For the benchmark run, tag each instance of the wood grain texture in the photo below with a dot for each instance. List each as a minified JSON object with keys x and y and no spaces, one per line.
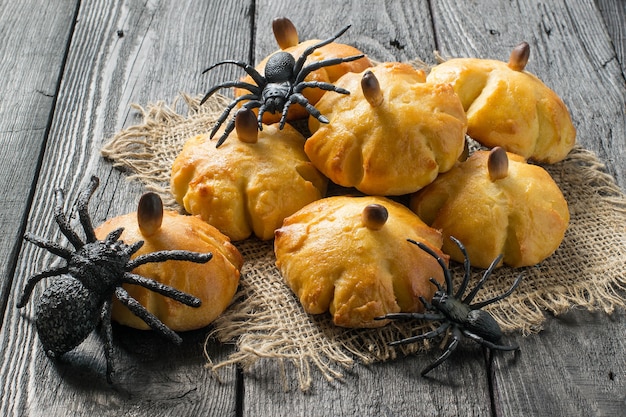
{"x":385,"y":389}
{"x":614,"y":15}
{"x":394,"y":32}
{"x":160,"y":52}
{"x":576,"y":367}
{"x":30,"y":69}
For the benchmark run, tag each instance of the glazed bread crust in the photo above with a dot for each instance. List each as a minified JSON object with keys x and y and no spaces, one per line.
{"x":334,"y":263}
{"x":508,"y":108}
{"x":214,"y":282}
{"x":245,"y":188}
{"x":523,"y":216}
{"x":395,"y":148}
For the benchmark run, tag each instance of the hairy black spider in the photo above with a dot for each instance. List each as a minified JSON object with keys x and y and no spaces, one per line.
{"x":281,"y":86}
{"x":464,"y":318}
{"x":73,"y":305}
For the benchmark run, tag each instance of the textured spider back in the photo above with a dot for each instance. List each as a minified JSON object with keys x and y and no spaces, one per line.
{"x":279,"y":67}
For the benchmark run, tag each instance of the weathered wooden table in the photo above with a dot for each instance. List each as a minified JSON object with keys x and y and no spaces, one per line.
{"x":69,"y":71}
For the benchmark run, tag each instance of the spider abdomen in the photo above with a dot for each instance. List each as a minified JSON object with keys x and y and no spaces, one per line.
{"x":279,"y":67}
{"x":65,"y":315}
{"x":484,"y":325}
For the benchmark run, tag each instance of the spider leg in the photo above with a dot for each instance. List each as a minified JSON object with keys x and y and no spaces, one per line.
{"x":239,"y":84}
{"x":127,"y":250}
{"x":446,"y":271}
{"x":321,"y":85}
{"x":162,"y":289}
{"x":219,"y":122}
{"x":324,"y":63}
{"x":227,"y":111}
{"x":52,"y":247}
{"x":427,"y":305}
{"x":301,"y":100}
{"x":499,"y":297}
{"x":435,"y":283}
{"x":428,"y":335}
{"x":83,"y":209}
{"x":308,"y":51}
{"x":107,"y":332}
{"x":169,"y":255}
{"x":293,"y":99}
{"x":34,"y":279}
{"x":113,"y":236}
{"x":456,"y":336}
{"x":487,"y":343}
{"x":252,"y":72}
{"x":466,"y":267}
{"x":259,"y":119}
{"x":480,"y":283}
{"x":151,"y":320}
{"x":64,"y":224}
{"x":231,"y":125}
{"x":131,"y":249}
{"x":411,"y":316}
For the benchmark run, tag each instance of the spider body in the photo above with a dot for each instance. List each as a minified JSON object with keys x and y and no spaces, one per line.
{"x":280,"y":86}
{"x":73,"y":305}
{"x":65,"y":301}
{"x":456,"y":313}
{"x":478,"y":322}
{"x":278,"y":69}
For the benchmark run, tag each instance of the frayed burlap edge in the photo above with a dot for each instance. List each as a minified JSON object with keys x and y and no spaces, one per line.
{"x":146,"y":151}
{"x":266,"y":321}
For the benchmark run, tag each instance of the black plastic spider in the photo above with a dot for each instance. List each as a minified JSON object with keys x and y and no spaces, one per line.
{"x":280,"y":87}
{"x":464,"y":318}
{"x":73,"y":305}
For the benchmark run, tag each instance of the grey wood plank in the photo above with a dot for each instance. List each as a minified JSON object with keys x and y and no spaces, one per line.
{"x":121,"y":53}
{"x":575,"y":367}
{"x":614,"y":14}
{"x":30,"y":69}
{"x":564,"y":370}
{"x":395,"y":32}
{"x":457,"y":388}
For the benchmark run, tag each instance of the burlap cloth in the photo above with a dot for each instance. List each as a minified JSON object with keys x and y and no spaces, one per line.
{"x":267,"y":321}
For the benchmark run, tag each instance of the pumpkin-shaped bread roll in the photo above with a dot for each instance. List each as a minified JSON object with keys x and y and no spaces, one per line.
{"x":350,"y":256}
{"x":496,"y":203}
{"x":288,"y":41}
{"x":509,"y":107}
{"x":392,"y":135}
{"x":250,"y":183}
{"x":214,"y":282}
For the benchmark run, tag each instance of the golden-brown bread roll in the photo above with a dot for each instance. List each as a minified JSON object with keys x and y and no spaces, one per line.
{"x":509,"y":107}
{"x":413,"y":131}
{"x":289,"y":42}
{"x":513,"y":208}
{"x":214,"y":282}
{"x":350,"y":257}
{"x":243,"y":188}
